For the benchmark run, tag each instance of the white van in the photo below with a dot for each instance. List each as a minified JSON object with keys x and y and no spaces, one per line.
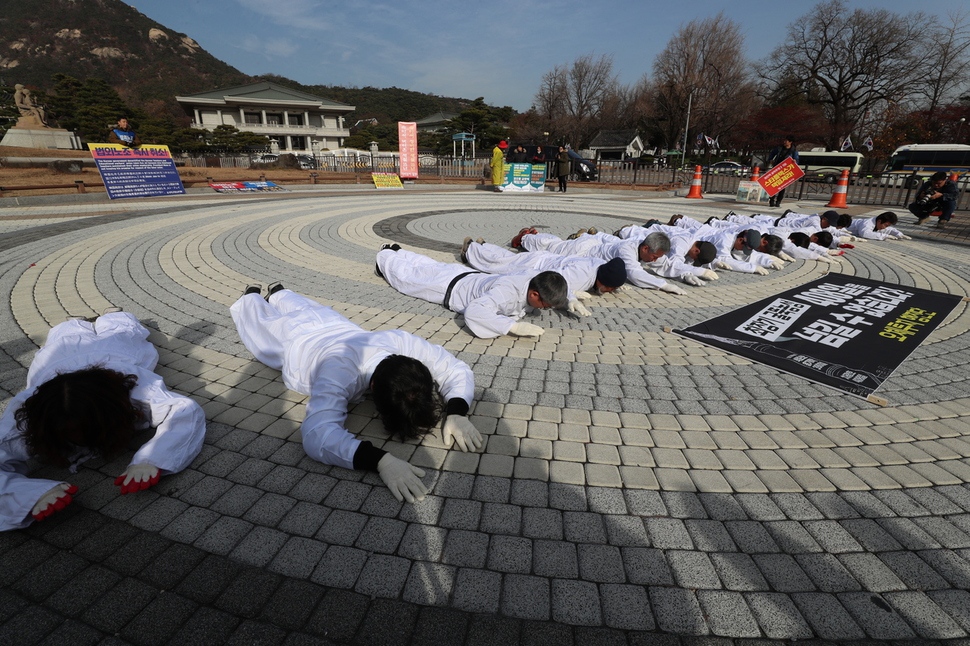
{"x":924,"y":160}
{"x":827,"y":167}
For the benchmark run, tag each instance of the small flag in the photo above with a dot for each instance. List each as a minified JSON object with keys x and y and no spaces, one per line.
{"x":717,"y":146}
{"x":868,"y":144}
{"x":700,"y":138}
{"x":847,"y":144}
{"x":710,"y":142}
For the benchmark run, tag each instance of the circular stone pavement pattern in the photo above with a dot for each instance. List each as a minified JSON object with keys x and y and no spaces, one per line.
{"x":631,"y":479}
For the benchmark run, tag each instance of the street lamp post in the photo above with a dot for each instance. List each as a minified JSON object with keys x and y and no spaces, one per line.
{"x":960,"y":128}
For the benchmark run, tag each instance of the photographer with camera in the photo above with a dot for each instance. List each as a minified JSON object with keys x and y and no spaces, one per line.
{"x":937,"y":193}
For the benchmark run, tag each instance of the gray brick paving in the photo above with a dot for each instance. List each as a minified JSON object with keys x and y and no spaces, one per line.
{"x":257,"y":543}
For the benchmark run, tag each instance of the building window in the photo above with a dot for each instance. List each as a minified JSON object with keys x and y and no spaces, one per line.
{"x":295,"y":119}
{"x":254,"y":118}
{"x":298,"y":143}
{"x":274,"y":119}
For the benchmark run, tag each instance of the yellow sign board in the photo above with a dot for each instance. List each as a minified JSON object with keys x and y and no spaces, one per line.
{"x":386,"y":180}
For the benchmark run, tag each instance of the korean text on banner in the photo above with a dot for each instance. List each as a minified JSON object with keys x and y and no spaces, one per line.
{"x":847,"y":332}
{"x":781,"y":176}
{"x":146,"y":171}
{"x":407,"y":136}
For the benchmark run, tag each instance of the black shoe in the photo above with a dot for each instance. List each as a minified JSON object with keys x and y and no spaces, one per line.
{"x":467,"y":242}
{"x":393,"y":246}
{"x":273,"y":288}
{"x":921,"y":220}
{"x":253,"y":289}
{"x":771,"y":203}
{"x":377,"y":270}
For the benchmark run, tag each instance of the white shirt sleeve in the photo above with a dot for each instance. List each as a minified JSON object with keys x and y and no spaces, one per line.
{"x":493,"y":313}
{"x":179,"y":425}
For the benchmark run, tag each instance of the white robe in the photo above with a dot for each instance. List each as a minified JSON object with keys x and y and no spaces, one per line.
{"x":117,"y":342}
{"x":325,"y":356}
{"x":723,"y":240}
{"x":579,"y":272}
{"x":489,"y":303}
{"x":675,"y":263}
{"x":866,"y":228}
{"x":598,"y":245}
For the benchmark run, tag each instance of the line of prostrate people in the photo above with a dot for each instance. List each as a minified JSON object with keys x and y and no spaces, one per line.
{"x":91,"y":389}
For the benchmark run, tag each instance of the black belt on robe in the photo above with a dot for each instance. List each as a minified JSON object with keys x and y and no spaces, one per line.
{"x":451,"y":286}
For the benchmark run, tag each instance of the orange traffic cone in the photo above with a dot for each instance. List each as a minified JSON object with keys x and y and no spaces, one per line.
{"x":954,"y":177}
{"x":695,"y":185}
{"x":755,"y":174}
{"x":838,"y":195}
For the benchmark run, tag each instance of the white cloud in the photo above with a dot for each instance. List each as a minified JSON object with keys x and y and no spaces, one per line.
{"x":309,"y":15}
{"x":268,"y":47}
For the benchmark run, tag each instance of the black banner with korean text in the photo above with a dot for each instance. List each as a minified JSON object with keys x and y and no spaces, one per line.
{"x":846,"y":332}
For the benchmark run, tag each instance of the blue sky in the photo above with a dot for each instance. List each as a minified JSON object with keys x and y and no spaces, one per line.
{"x":497,"y":49}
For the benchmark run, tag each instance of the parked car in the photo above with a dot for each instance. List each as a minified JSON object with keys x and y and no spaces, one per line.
{"x":307,"y":162}
{"x":729,"y":168}
{"x":266,"y":158}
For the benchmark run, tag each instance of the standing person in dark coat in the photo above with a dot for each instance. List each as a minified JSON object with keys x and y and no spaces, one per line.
{"x":778,"y":155}
{"x":563,"y":164}
{"x":124,"y":135}
{"x":519,"y":156}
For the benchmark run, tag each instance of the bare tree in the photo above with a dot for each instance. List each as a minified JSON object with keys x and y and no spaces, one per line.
{"x":855,"y":65}
{"x":575,"y":99}
{"x":946,"y":63}
{"x":703,"y":64}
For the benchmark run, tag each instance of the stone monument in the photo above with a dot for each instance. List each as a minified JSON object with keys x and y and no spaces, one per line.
{"x":32,"y":129}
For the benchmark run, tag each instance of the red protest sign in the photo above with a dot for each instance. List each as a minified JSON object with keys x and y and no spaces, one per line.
{"x":779,"y":177}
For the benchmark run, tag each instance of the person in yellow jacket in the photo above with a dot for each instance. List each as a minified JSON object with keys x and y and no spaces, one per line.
{"x":498,"y":164}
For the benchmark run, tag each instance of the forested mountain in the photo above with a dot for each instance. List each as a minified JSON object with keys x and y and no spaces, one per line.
{"x":149,"y":64}
{"x":384,"y":104}
{"x":144,"y":61}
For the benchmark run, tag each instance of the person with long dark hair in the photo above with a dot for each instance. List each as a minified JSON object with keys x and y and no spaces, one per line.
{"x":327,"y":357}
{"x":90,"y":389}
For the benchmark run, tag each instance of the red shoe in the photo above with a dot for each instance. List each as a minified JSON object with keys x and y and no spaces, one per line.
{"x":517,"y":240}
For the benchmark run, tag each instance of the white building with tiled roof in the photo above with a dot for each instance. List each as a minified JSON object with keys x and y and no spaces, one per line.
{"x":296,"y":121}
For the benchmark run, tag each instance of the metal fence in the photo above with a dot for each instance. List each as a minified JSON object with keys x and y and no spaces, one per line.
{"x":891,"y":190}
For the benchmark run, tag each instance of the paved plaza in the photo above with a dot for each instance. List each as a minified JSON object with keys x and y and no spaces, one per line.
{"x":635,"y":487}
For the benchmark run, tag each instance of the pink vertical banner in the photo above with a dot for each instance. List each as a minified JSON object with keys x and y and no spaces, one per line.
{"x":407,"y":146}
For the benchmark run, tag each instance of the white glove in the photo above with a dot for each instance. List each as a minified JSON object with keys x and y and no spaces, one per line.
{"x":784,"y":256}
{"x":709,"y":274}
{"x":761,"y":271}
{"x":56,"y":499}
{"x":625,"y":287}
{"x":402,"y":478}
{"x":525,"y":329}
{"x":576,"y":307}
{"x":691,"y":279}
{"x":852,"y":238}
{"x":777,"y":263}
{"x":826,"y":259}
{"x":903,"y":236}
{"x":835,"y":252}
{"x":720,"y":264}
{"x":670,"y":288}
{"x":137,"y":477}
{"x":460,"y":430}
{"x":583,"y":296}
